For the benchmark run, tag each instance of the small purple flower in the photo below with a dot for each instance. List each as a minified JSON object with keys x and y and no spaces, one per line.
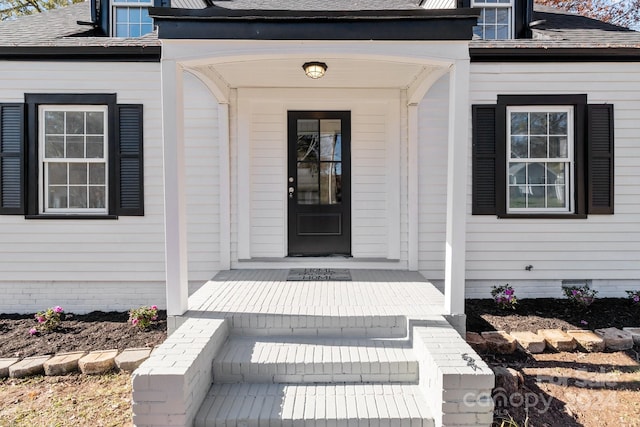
{"x":154,"y":318}
{"x":58,"y":309}
{"x":134,"y":322}
{"x":154,"y":307}
{"x":636,"y":298}
{"x":33,"y":331}
{"x":40,"y":319}
{"x":584,"y":322}
{"x":574,"y":292}
{"x":508,"y":292}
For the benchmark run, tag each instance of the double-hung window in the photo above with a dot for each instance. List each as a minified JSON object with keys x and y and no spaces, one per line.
{"x":131,"y":18}
{"x":496,"y":19}
{"x":71,"y":156}
{"x":74,"y":164}
{"x":540,"y":159}
{"x":542,"y":156}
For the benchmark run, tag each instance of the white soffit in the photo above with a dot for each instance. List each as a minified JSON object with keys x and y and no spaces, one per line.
{"x":341,"y":73}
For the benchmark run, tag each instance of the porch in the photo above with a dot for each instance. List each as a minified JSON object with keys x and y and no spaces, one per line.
{"x":311,"y":347}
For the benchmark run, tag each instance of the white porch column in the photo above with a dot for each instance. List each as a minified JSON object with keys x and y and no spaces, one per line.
{"x":413,"y":180}
{"x":457,"y":173}
{"x":175,"y":206}
{"x":225,"y":186}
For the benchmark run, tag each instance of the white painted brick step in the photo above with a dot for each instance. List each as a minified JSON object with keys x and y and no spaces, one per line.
{"x":352,"y":323}
{"x":235,"y":405}
{"x":315,"y":360}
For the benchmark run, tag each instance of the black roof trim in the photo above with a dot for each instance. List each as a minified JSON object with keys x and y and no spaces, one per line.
{"x":216,"y":12}
{"x":220,"y":23}
{"x":82,"y":53}
{"x":551,"y":54}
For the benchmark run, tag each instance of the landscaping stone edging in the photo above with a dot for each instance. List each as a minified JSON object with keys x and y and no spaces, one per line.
{"x":555,"y":340}
{"x":88,"y":363}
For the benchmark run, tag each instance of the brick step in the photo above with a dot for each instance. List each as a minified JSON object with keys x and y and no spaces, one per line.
{"x":315,"y":360}
{"x":232,"y":405}
{"x":259,"y":324}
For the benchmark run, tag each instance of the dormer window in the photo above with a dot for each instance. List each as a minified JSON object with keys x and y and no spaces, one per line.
{"x":496,"y":19}
{"x":131,"y":18}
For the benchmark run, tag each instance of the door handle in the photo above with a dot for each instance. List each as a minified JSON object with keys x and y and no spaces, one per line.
{"x":291,"y":191}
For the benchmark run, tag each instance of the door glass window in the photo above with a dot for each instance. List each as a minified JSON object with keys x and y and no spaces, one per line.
{"x":319,"y":165}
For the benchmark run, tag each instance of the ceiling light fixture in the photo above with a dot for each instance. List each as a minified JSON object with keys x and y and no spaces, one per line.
{"x":314,"y":69}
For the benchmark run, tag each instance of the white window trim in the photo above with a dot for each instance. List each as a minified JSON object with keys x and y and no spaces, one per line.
{"x":486,"y":5}
{"x":116,"y":4}
{"x":570,"y":159}
{"x":42,"y":189}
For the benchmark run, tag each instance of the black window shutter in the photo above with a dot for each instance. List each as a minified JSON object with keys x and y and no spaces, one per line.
{"x":484,"y":160}
{"x":129,"y":161}
{"x":600,"y":170}
{"x":11,"y":159}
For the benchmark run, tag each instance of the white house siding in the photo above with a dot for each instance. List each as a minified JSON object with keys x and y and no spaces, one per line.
{"x":203,"y":196}
{"x":262,"y":123}
{"x":601,"y":248}
{"x":87,"y":264}
{"x":433,"y":122}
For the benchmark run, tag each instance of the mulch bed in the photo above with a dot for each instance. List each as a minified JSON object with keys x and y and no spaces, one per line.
{"x":94,"y":331}
{"x":545,"y":313}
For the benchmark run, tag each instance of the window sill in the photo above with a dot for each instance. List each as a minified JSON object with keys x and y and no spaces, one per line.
{"x":543,"y":216}
{"x":70,"y":216}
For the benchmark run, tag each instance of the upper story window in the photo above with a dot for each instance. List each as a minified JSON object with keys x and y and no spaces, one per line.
{"x":131,"y":18}
{"x":496,"y":19}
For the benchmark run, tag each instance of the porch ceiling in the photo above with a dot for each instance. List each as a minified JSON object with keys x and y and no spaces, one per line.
{"x":341,"y":73}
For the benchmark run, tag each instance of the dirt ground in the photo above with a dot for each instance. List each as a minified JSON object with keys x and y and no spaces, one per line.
{"x":571,"y":388}
{"x":93,"y":331}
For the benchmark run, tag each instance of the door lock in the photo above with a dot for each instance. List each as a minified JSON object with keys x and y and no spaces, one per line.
{"x":291,"y":191}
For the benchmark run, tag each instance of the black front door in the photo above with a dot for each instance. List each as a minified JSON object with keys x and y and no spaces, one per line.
{"x":319,"y":184}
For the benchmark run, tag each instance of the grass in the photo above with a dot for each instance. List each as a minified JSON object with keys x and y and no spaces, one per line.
{"x":72,"y":400}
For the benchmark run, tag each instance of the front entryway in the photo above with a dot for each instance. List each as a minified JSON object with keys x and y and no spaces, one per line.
{"x":319,"y":183}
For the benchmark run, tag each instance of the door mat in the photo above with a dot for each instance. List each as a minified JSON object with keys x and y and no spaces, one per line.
{"x":319,"y":274}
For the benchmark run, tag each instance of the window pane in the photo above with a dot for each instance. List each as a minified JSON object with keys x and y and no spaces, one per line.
{"x":330,"y":183}
{"x":330,"y":131}
{"x":96,"y":197}
{"x":502,"y":32}
{"x":538,"y":123}
{"x":489,"y":15}
{"x":502,"y":16}
{"x":558,"y":124}
{"x":54,"y":122}
{"x":75,"y":147}
{"x":536,"y":196}
{"x":134,"y":15}
{"x":75,"y":122}
{"x":517,"y":197}
{"x":519,"y":147}
{"x":122,"y":14}
{"x":558,"y":146}
{"x":538,"y":147}
{"x":134,"y":30}
{"x":95,"y":147}
{"x":536,"y":173}
{"x":77,"y":197}
{"x":308,"y":134}
{"x":77,"y":173}
{"x":95,"y":122}
{"x":556,"y":196}
{"x":308,"y":184}
{"x":519,"y":123}
{"x":556,"y":173}
{"x":54,"y":147}
{"x":97,"y":173}
{"x":518,"y":173}
{"x":57,"y":197}
{"x":122,"y":30}
{"x":57,"y":173}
